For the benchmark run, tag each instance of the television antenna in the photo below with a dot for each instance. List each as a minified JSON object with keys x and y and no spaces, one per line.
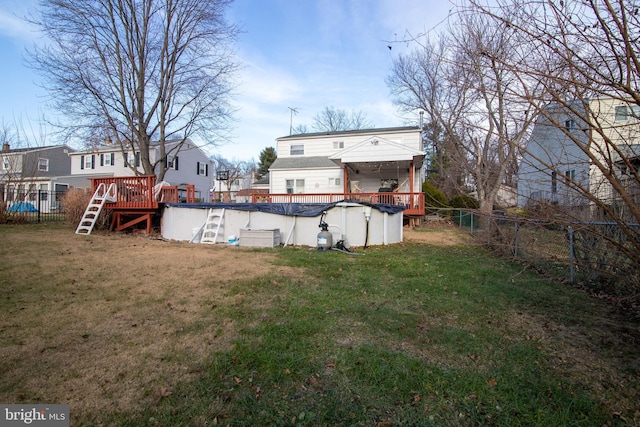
{"x":293,"y":111}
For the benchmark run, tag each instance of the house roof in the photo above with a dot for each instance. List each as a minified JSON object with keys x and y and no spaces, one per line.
{"x":262,"y":181}
{"x":114,"y":146}
{"x":352,"y":132}
{"x":28,"y":149}
{"x":302,"y":163}
{"x":376,"y":149}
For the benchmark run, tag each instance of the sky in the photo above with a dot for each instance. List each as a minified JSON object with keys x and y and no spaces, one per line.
{"x":303,"y":55}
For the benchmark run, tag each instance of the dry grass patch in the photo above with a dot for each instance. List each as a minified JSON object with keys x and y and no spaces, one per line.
{"x":438,"y":236}
{"x":107,"y":322}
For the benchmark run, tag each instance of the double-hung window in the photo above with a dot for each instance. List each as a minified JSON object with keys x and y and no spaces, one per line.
{"x":295,"y":186}
{"x":296,"y":150}
{"x":202,"y":169}
{"x":43,"y":164}
{"x":624,"y":112}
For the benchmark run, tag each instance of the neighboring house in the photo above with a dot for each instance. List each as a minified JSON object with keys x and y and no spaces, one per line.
{"x":226,"y":188}
{"x":554,"y":159}
{"x":35,"y":175}
{"x":258,"y":190}
{"x":377,"y":165}
{"x":188,"y":166}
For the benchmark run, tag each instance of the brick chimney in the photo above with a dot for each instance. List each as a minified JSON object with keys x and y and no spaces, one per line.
{"x":5,"y":146}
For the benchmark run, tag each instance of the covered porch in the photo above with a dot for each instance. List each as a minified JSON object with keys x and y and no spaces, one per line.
{"x":376,"y":170}
{"x":379,"y":170}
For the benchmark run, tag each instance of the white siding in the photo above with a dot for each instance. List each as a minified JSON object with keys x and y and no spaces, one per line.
{"x":315,"y":180}
{"x":323,"y":145}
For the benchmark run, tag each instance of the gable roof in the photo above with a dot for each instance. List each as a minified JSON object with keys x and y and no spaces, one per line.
{"x":375,"y":149}
{"x":33,"y":149}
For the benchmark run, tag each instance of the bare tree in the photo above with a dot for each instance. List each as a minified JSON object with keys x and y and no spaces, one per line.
{"x":138,"y":71}
{"x":470,"y":100}
{"x":332,"y":119}
{"x":235,"y":171}
{"x":19,"y":168}
{"x":587,"y":50}
{"x":418,"y":83}
{"x":586,"y":54}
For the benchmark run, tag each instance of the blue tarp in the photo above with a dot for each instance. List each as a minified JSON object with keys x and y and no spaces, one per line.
{"x":22,"y":207}
{"x":290,"y":209}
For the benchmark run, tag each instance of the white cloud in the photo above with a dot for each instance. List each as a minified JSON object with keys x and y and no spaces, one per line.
{"x":12,"y":23}
{"x":268,"y":86}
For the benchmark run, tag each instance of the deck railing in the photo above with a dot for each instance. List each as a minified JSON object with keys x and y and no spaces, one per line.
{"x":140,"y":192}
{"x":414,"y":202}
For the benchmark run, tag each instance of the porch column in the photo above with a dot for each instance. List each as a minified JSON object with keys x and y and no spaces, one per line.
{"x":345,"y":180}
{"x":411,"y":177}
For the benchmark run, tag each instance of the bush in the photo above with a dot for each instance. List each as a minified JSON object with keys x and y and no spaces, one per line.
{"x":74,"y":203}
{"x":464,"y":201}
{"x":7,"y":217}
{"x":433,"y":198}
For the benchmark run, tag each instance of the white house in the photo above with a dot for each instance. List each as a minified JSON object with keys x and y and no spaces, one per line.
{"x":36,"y":175}
{"x":375,"y":165}
{"x":563,"y":149}
{"x":190,"y":165}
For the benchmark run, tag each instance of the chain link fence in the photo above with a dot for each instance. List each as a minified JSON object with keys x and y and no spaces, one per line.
{"x":35,"y":206}
{"x":599,"y":255}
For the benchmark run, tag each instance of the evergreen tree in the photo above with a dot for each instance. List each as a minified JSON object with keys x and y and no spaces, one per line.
{"x":267,"y":157}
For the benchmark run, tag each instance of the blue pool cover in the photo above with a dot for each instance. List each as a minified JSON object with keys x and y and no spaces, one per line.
{"x":290,"y":209}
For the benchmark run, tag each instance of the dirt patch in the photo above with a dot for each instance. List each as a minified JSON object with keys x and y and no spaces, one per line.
{"x":106,"y":322}
{"x":437,"y":236}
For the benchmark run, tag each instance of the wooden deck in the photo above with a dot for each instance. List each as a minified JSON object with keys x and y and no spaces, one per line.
{"x":414,"y":202}
{"x":138,"y":199}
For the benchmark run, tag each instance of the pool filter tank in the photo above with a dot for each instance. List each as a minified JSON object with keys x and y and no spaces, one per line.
{"x":325,"y":240}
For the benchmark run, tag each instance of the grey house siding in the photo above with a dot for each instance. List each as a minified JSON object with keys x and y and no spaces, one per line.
{"x":59,"y":162}
{"x":551,"y":148}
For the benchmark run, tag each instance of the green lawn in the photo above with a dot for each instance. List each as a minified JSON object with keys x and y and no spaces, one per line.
{"x":404,"y":335}
{"x":408,"y":335}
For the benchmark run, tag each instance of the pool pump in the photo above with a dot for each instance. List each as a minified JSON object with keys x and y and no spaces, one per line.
{"x":325,"y":240}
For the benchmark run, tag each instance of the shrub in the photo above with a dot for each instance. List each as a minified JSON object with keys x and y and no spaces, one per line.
{"x":74,"y":203}
{"x":7,"y":217}
{"x":433,"y":197}
{"x":464,"y":201}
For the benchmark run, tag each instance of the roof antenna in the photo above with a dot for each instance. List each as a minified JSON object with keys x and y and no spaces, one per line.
{"x":293,"y":110}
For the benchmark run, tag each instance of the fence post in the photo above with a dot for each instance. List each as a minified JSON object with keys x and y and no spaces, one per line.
{"x":515,"y":239}
{"x":39,"y":205}
{"x":489,"y":218}
{"x":571,"y":272}
{"x":471,"y":228}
